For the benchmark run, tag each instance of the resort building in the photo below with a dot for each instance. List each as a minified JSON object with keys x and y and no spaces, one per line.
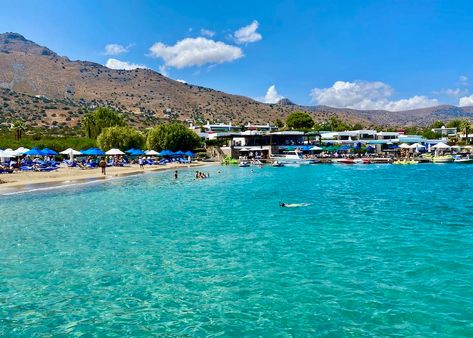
{"x":445,"y":132}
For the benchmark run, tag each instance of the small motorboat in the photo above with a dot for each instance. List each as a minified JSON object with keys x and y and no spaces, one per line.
{"x":462,"y":159}
{"x":244,"y":164}
{"x":442,"y":159}
{"x":362,"y":161}
{"x":277,"y":164}
{"x":346,"y":161}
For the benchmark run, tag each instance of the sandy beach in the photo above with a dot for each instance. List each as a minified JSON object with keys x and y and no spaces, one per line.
{"x":31,"y":179}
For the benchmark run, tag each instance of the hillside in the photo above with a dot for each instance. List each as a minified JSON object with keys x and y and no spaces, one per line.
{"x":145,"y":95}
{"x":46,"y":89}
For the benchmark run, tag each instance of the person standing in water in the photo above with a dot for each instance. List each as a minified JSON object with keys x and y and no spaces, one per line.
{"x":175,"y":175}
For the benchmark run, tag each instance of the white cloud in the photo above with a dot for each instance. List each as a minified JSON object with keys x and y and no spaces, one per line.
{"x":463,"y":80}
{"x":466,"y":101}
{"x":207,"y":32}
{"x":456,"y":92}
{"x":115,"y":49}
{"x":117,"y":64}
{"x":181,"y":81}
{"x":195,"y":52}
{"x":248,"y":33}
{"x":368,"y":96}
{"x":272,"y":95}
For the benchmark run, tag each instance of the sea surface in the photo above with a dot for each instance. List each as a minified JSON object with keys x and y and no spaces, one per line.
{"x":382,"y":250}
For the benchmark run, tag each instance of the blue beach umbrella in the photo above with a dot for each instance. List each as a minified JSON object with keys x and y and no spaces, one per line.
{"x":189,"y":153}
{"x":129,"y":151}
{"x":179,"y":153}
{"x":34,"y":152}
{"x":345,"y":147}
{"x":93,"y":152}
{"x":47,"y":151}
{"x":166,"y":153}
{"x":136,"y":152}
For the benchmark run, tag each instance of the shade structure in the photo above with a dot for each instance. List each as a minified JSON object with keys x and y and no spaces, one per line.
{"x":136,"y":152}
{"x":7,"y":153}
{"x":441,"y":145}
{"x":21,"y":150}
{"x":179,"y":153}
{"x":417,"y":146}
{"x":34,"y":152}
{"x":70,"y":151}
{"x":404,"y":146}
{"x":345,"y":147}
{"x":130,"y":150}
{"x":315,"y":148}
{"x":114,"y":151}
{"x":190,"y":153}
{"x":93,"y":152}
{"x":151,"y":152}
{"x":47,"y":151}
{"x":166,"y":153}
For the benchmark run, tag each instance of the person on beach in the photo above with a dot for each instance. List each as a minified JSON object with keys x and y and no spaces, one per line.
{"x":141,"y":162}
{"x":103,"y":165}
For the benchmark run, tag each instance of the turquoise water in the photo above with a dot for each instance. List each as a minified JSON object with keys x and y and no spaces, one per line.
{"x":382,"y":250}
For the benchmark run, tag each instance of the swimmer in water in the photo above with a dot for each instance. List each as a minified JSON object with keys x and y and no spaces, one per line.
{"x":293,"y":205}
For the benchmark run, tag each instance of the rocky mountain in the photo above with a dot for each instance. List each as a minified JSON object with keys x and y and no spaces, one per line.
{"x":143,"y":94}
{"x":46,"y":89}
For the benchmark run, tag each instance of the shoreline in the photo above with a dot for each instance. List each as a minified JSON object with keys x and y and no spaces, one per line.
{"x":63,"y":177}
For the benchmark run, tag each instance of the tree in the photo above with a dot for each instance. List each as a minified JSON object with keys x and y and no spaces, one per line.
{"x":173,"y":137}
{"x":437,"y":124}
{"x":279,"y":123}
{"x":299,"y":120}
{"x":100,"y":118}
{"x":18,"y":127}
{"x":460,"y":124}
{"x":88,"y":123}
{"x":121,"y":138}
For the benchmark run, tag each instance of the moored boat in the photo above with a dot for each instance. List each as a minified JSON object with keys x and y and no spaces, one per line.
{"x":442,"y":159}
{"x":462,"y":159}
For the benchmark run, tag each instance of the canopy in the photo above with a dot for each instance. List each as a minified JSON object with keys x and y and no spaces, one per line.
{"x":416,"y":146}
{"x":404,"y":146}
{"x":93,"y":152}
{"x":47,"y":151}
{"x":114,"y":151}
{"x":7,"y":153}
{"x":136,"y":152}
{"x":167,"y":153}
{"x":21,"y":150}
{"x":190,"y":153}
{"x":151,"y":152}
{"x":34,"y":152}
{"x":130,"y":150}
{"x":345,"y":147}
{"x":316,"y":148}
{"x":70,"y":151}
{"x":441,"y":145}
{"x":179,"y":152}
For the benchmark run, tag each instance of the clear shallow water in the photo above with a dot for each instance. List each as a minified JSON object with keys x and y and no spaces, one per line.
{"x":383,"y":250}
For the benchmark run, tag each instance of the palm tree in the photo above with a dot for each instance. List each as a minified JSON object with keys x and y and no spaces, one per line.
{"x":88,"y":123}
{"x":18,"y":127}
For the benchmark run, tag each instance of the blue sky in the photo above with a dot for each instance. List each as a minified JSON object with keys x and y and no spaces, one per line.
{"x":362,"y":54}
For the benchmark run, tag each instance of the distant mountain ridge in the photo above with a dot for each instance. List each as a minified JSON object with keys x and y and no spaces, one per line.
{"x":38,"y":85}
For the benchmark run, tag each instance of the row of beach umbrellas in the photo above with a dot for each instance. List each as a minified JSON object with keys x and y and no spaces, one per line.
{"x":10,"y":153}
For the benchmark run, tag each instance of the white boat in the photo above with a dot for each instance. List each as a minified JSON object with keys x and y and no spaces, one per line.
{"x":294,"y":157}
{"x":442,"y":159}
{"x":277,"y":164}
{"x":244,"y":164}
{"x":461,"y":159}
